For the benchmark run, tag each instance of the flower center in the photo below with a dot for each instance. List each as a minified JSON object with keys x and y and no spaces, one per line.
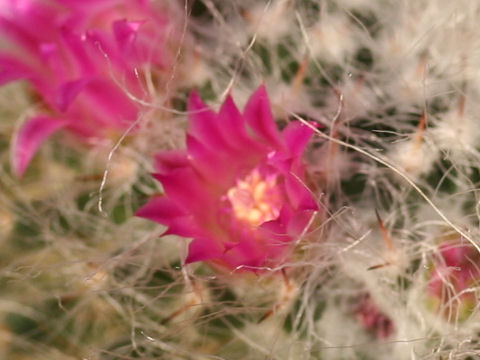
{"x":255,"y":199}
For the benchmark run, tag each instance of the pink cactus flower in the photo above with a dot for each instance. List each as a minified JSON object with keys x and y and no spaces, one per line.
{"x":455,"y":272}
{"x":372,"y":319}
{"x":82,"y":58}
{"x":239,"y":187}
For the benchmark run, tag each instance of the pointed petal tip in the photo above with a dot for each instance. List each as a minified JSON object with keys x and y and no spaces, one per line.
{"x":262,"y":88}
{"x":259,"y":116}
{"x":229,"y":107}
{"x":159,"y":209}
{"x":202,"y":249}
{"x":296,"y":136}
{"x":195,"y":102}
{"x":29,"y":139}
{"x":68,"y":91}
{"x":229,"y":101}
{"x":261,"y":94}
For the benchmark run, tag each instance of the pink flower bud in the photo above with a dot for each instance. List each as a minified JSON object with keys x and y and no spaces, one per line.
{"x":453,"y":278}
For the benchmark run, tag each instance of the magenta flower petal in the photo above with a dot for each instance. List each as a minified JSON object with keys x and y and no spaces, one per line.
{"x":373,"y":319}
{"x":7,"y":76}
{"x":299,"y":195}
{"x":289,"y":224}
{"x":16,"y":33}
{"x":232,"y":125}
{"x":453,"y":272}
{"x":82,"y":58}
{"x":456,"y":254}
{"x":186,"y":189}
{"x":126,"y":32}
{"x":114,"y":110}
{"x":93,"y":4}
{"x":274,"y":228}
{"x":204,"y":124}
{"x":69,"y":91}
{"x":214,"y":165}
{"x":75,"y":46}
{"x":259,"y":116}
{"x":169,"y":160}
{"x":247,"y":255}
{"x":161,"y":210}
{"x":183,"y":226}
{"x":299,"y":222}
{"x":244,"y":196}
{"x":202,"y":249}
{"x":31,"y":135}
{"x":297,"y":136}
{"x":11,"y":70}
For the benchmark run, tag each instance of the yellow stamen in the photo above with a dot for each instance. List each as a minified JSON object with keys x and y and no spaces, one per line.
{"x":255,"y":199}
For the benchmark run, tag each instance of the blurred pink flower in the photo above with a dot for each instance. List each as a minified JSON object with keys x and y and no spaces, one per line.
{"x":372,"y":319}
{"x":81,"y":58}
{"x":238,"y":189}
{"x":455,"y":272}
